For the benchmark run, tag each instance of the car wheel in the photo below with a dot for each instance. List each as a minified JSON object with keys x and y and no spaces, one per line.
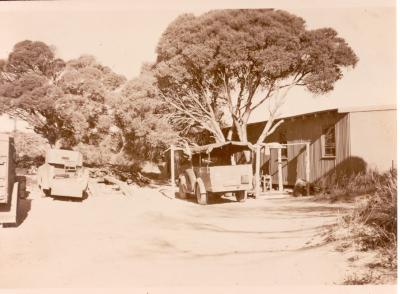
{"x":241,"y":196}
{"x":201,"y":197}
{"x":47,"y":192}
{"x":182,"y":188}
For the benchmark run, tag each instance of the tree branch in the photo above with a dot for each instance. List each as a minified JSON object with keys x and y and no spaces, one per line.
{"x":274,"y":127}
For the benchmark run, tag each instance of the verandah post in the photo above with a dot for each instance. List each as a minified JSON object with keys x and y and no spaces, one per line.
{"x":308,"y":168}
{"x":257,"y":173}
{"x":280,"y":178}
{"x":172,"y":165}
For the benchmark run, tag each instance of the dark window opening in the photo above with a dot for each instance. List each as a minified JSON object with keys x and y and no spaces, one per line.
{"x":329,"y":142}
{"x":283,"y":140}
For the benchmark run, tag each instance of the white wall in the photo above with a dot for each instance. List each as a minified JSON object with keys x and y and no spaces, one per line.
{"x":373,"y":137}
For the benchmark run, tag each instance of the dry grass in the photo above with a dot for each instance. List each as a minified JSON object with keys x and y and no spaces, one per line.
{"x":347,"y":187}
{"x":372,"y":226}
{"x":362,"y":279}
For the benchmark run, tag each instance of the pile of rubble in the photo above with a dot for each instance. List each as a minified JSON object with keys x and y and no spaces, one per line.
{"x":126,"y":174}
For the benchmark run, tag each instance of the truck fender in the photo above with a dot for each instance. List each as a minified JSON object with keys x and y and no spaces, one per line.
{"x":43,"y":177}
{"x":191,"y":179}
{"x":182,"y":187}
{"x":182,"y":180}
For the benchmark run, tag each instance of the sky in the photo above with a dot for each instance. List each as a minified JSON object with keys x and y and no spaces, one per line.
{"x":124,"y":34}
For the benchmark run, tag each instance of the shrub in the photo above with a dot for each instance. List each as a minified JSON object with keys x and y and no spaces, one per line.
{"x":30,"y":148}
{"x":380,"y":209}
{"x":346,"y":187}
{"x":372,"y":225}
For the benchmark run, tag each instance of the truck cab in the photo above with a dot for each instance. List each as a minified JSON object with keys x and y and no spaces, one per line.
{"x":63,"y":174}
{"x":217,"y":169}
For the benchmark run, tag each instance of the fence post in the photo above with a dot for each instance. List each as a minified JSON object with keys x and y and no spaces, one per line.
{"x":172,"y":165}
{"x":257,"y":173}
{"x":280,"y":177}
{"x":308,"y":168}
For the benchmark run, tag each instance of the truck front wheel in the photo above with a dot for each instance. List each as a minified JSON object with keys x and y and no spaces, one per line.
{"x":202,"y":198}
{"x":182,"y":187}
{"x":47,"y":192}
{"x":241,"y":196}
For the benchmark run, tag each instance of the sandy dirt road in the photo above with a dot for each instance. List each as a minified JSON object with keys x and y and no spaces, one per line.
{"x":152,"y":241}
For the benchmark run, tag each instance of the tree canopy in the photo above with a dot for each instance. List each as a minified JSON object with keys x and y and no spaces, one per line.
{"x":84,"y":105}
{"x":143,"y":118}
{"x":217,"y":68}
{"x":63,"y":101}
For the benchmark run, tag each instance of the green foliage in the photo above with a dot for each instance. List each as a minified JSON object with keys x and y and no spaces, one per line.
{"x":28,"y":56}
{"x":85,"y":105}
{"x":30,"y":149}
{"x":215,"y":69}
{"x":143,"y":119}
{"x":372,"y":225}
{"x":380,"y":210}
{"x":62,"y":101}
{"x":344,"y":186}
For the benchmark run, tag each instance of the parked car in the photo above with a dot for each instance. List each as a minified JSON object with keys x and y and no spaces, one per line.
{"x":63,"y":174}
{"x":217,"y":169}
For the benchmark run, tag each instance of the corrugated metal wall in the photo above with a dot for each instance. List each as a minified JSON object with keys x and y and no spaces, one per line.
{"x":302,"y":129}
{"x":373,"y":139}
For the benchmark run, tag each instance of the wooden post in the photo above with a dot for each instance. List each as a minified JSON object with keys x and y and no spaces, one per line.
{"x":257,"y":173}
{"x":280,"y":178}
{"x":15,"y":126}
{"x":172,"y":165}
{"x":308,"y":178}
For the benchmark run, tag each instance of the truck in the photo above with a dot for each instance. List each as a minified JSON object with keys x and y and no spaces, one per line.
{"x":63,"y":174}
{"x":217,"y":169}
{"x":9,"y":199}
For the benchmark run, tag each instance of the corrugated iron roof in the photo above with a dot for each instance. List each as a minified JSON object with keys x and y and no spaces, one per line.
{"x":366,"y":108}
{"x":336,"y":109}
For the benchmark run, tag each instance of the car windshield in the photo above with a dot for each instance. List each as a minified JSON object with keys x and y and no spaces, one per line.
{"x":223,"y":156}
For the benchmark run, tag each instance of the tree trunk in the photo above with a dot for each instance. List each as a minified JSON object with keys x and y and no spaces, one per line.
{"x":219,"y":135}
{"x":230,"y":134}
{"x":242,"y":134}
{"x":58,"y":144}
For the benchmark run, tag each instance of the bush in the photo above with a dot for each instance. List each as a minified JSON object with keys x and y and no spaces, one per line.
{"x":372,"y":225}
{"x":380,"y":209}
{"x":347,"y":187}
{"x":27,"y":162}
{"x":30,"y":148}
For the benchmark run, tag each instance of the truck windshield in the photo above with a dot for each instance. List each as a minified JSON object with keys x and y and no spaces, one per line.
{"x":225,"y":158}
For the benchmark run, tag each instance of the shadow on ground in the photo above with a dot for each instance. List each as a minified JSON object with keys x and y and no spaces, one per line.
{"x":211,"y":200}
{"x":70,"y":199}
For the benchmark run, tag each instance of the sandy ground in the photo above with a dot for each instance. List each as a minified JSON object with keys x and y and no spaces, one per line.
{"x":149,"y":240}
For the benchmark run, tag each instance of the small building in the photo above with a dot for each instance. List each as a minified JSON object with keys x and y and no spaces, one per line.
{"x":342,"y":141}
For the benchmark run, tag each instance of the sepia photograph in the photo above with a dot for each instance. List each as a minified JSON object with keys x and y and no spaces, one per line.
{"x":198,"y":146}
